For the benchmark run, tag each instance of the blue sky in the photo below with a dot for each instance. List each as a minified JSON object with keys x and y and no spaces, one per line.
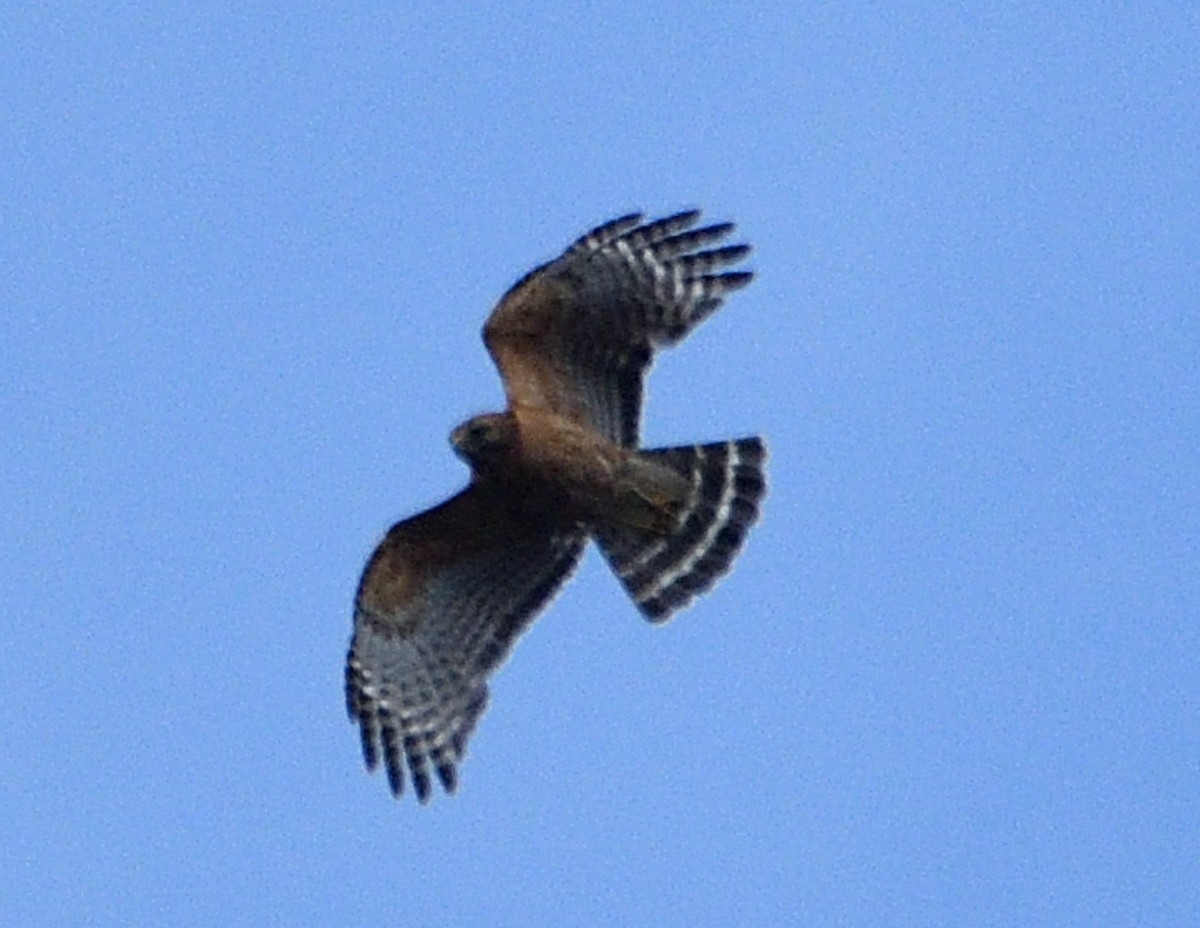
{"x":953,"y":680}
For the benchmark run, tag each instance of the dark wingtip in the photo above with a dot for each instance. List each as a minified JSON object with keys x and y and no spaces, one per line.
{"x":370,"y":754}
{"x":716,"y":231}
{"x":395,"y":779}
{"x":684,"y":217}
{"x":449,"y":777}
{"x":734,"y":280}
{"x":625,"y":219}
{"x":421,"y":786}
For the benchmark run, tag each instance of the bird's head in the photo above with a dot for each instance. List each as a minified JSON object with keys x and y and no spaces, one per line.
{"x":484,"y":440}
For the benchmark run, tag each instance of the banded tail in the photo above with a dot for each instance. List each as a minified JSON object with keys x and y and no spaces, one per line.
{"x":665,"y":572}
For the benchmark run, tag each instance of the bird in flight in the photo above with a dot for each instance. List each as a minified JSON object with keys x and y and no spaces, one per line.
{"x":447,"y":592}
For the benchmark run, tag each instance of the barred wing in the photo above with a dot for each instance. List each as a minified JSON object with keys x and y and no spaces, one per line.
{"x":439,"y":606}
{"x":576,"y":335}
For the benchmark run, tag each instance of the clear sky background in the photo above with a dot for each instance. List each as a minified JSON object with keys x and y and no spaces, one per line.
{"x":245,"y":253}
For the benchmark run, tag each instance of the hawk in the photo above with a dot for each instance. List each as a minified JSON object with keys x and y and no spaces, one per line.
{"x":447,"y":592}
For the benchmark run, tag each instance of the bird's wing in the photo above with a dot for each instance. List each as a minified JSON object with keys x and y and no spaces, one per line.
{"x":576,"y":335}
{"x":440,"y":604}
